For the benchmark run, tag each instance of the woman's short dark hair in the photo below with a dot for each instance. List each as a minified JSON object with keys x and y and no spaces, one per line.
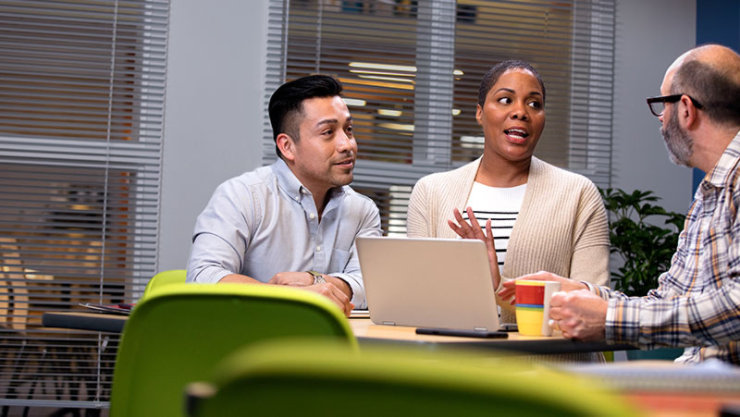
{"x":715,"y":91}
{"x":493,"y":74}
{"x":286,"y":102}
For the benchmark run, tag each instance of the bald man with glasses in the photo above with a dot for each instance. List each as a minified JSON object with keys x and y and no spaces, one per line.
{"x":697,"y":303}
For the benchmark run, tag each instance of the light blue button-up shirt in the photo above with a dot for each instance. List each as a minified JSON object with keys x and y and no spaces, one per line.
{"x":264,"y":222}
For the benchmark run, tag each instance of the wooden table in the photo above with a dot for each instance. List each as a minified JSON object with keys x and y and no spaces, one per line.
{"x":369,"y":333}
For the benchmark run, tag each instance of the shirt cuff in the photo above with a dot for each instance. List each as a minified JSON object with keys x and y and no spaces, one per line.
{"x":596,"y":289}
{"x":622,"y":321}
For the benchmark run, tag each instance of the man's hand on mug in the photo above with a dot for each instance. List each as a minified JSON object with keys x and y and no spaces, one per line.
{"x":578,"y":315}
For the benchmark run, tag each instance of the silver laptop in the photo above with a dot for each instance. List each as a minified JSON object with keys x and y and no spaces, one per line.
{"x":439,"y":283}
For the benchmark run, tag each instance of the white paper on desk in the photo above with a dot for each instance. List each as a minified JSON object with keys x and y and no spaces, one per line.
{"x":107,"y":308}
{"x":359,"y":314}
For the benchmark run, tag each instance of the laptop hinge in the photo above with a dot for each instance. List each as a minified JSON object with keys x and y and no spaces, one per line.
{"x":480,"y":329}
{"x":389,"y":323}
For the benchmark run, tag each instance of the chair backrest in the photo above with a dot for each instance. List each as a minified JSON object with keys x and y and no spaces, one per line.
{"x":175,"y":276}
{"x":177,"y":334}
{"x":277,"y":380}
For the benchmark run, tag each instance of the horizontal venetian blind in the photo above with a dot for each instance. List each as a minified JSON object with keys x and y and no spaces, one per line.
{"x":81,"y":118}
{"x":411,"y":72}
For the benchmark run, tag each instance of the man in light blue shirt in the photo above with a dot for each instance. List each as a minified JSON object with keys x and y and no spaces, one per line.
{"x":293,"y":222}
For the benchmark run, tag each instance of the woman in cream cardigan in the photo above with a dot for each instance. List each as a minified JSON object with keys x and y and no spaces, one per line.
{"x":543,"y":217}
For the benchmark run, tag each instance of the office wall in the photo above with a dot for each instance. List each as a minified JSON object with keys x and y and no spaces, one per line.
{"x":717,"y":21}
{"x":214,"y":104}
{"x":650,"y":36}
{"x":213,"y":119}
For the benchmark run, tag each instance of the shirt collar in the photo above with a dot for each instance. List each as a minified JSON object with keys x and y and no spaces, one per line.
{"x":719,"y":176}
{"x":293,"y":187}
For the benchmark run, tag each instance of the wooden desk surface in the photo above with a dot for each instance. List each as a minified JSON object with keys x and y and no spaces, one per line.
{"x":367,"y":332}
{"x":365,"y":328}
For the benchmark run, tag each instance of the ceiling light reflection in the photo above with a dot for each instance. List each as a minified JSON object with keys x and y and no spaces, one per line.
{"x":386,"y":67}
{"x":354,"y":102}
{"x":389,"y":112}
{"x":397,"y":126}
{"x":388,"y":73}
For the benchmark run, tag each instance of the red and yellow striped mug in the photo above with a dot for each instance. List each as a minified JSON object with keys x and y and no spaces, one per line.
{"x":533,"y":306}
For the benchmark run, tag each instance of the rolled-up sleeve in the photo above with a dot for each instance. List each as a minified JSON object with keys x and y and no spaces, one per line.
{"x":221,"y":235}
{"x":352,"y":275}
{"x":211,"y":259}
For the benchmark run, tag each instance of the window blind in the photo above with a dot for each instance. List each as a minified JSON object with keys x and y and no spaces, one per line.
{"x":81,"y":117}
{"x":411,"y":71}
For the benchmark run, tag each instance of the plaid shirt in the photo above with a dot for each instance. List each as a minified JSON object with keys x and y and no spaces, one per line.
{"x":697,"y":303}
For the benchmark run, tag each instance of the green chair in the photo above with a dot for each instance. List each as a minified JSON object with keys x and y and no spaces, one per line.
{"x":278,"y":379}
{"x":178,"y":333}
{"x":163,"y":278}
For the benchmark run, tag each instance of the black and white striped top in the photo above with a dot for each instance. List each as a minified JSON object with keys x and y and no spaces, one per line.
{"x":502,"y":206}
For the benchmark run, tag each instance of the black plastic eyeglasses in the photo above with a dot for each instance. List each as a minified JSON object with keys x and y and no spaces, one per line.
{"x":657,"y":104}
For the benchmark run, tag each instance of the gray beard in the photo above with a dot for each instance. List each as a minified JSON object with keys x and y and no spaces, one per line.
{"x":678,"y":143}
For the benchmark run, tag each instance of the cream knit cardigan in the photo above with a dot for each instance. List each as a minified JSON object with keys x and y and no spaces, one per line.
{"x":561,"y":227}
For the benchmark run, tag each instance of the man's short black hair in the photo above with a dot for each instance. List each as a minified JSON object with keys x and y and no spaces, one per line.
{"x":493,"y":74}
{"x":286,"y":102}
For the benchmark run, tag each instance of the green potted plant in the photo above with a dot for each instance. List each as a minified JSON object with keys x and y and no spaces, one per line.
{"x":638,"y":238}
{"x":644,"y":236}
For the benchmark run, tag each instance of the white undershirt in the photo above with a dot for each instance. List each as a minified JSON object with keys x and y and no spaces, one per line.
{"x":502,"y":206}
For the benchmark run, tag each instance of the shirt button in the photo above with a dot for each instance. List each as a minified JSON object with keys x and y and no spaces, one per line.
{"x":318,"y":248}
{"x":312,"y":216}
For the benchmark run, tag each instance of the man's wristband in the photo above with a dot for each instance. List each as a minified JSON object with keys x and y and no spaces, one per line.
{"x":318,"y":277}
